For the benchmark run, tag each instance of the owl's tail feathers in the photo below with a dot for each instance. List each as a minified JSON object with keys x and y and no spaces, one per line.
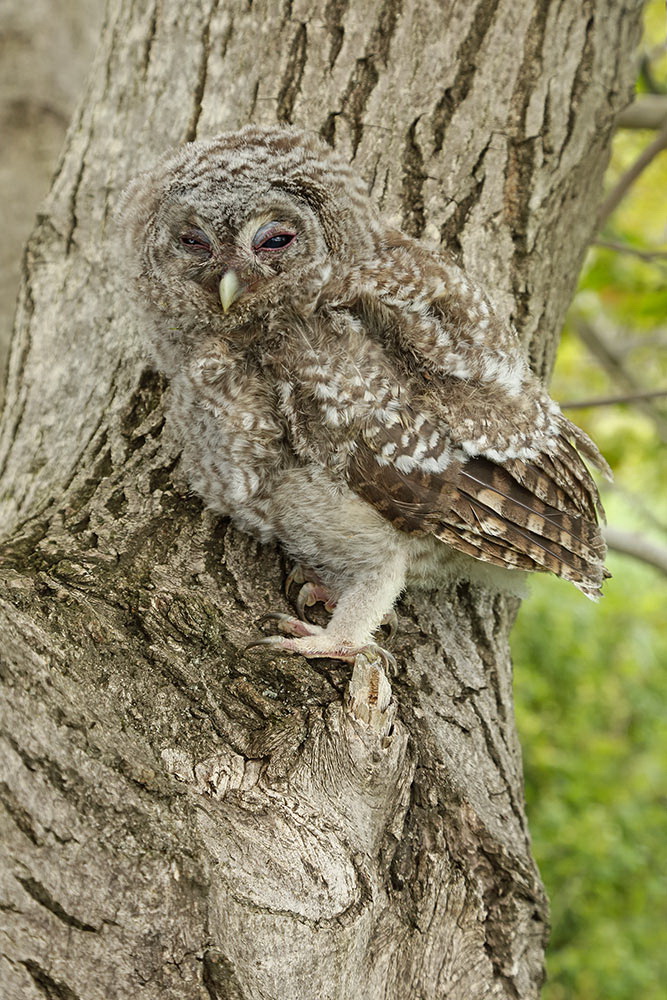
{"x":530,"y":525}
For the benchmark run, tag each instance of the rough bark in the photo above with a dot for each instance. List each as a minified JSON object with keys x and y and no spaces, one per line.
{"x":183,"y":819}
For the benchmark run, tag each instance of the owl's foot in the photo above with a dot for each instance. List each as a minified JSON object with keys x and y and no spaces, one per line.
{"x":288,"y":625}
{"x":319,"y":645}
{"x":311,"y":594}
{"x":312,"y":590}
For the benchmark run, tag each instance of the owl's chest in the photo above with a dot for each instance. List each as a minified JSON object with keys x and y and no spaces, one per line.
{"x":226,"y":419}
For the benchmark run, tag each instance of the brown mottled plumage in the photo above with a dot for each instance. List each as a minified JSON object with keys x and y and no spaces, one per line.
{"x":339,"y":386}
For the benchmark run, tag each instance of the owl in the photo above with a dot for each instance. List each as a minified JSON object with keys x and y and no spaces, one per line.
{"x":339,"y":386}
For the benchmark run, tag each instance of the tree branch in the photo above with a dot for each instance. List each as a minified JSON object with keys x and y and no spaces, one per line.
{"x":648,"y":255}
{"x":634,"y":397}
{"x":638,"y":503}
{"x":610,"y":360}
{"x":631,"y":543}
{"x":646,"y":111}
{"x":618,"y":193}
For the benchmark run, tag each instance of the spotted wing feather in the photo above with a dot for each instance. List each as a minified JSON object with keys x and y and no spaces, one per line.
{"x":518,"y":493}
{"x":479,"y":508}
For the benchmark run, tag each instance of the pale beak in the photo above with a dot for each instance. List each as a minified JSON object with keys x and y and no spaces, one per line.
{"x":230,"y":289}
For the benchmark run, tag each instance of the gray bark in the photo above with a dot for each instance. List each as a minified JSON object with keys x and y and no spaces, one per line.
{"x":184,"y":819}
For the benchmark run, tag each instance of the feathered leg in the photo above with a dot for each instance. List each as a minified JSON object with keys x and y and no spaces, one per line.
{"x":360,"y":610}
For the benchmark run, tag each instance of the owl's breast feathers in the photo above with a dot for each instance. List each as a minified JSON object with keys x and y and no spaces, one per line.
{"x":428,"y":405}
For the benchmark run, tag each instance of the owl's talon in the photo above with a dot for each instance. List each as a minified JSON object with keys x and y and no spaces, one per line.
{"x":271,"y":616}
{"x":374,"y":652}
{"x":311,"y":594}
{"x":311,"y":590}
{"x":300,"y":574}
{"x":270,"y":640}
{"x":317,"y":645}
{"x":390,"y":621}
{"x":287,"y":624}
{"x":297,"y":574}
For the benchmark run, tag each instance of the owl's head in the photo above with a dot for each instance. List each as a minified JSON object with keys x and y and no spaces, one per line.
{"x":231,"y":225}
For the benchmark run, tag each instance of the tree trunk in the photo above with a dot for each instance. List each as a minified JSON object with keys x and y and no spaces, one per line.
{"x":185,"y":819}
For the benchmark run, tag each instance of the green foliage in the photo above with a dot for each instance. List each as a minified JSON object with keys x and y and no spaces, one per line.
{"x":591,"y":689}
{"x":591,"y":680}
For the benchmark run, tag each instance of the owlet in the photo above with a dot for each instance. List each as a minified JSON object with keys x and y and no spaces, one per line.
{"x":339,"y":386}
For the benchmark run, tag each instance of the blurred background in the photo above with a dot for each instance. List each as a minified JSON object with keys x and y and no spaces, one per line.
{"x":590,"y":680}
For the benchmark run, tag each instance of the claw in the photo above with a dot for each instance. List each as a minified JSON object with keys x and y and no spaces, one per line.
{"x":310,"y":594}
{"x":311,"y":590}
{"x":318,"y":645}
{"x":374,"y":652}
{"x":297,"y":574}
{"x":288,"y":625}
{"x":301,"y":574}
{"x":390,"y":620}
{"x":271,"y":616}
{"x":271,"y":640}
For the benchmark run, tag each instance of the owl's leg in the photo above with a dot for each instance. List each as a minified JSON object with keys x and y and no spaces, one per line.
{"x":361,"y":561}
{"x":312,"y":591}
{"x":361,"y":607}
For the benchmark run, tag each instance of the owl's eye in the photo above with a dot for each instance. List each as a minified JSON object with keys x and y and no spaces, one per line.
{"x":270,"y":238}
{"x":196,"y":242}
{"x":277,"y":242}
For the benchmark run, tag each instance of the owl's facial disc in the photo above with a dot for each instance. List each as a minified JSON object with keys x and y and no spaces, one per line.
{"x":230,"y":260}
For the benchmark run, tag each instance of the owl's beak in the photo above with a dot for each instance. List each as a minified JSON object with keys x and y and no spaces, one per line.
{"x":230,"y":289}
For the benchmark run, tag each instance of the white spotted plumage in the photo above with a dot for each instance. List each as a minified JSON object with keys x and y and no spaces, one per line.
{"x":356,"y":398}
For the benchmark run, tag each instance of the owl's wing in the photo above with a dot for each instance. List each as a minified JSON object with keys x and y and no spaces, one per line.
{"x":517,"y":517}
{"x":508,"y":484}
{"x":441,"y":327}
